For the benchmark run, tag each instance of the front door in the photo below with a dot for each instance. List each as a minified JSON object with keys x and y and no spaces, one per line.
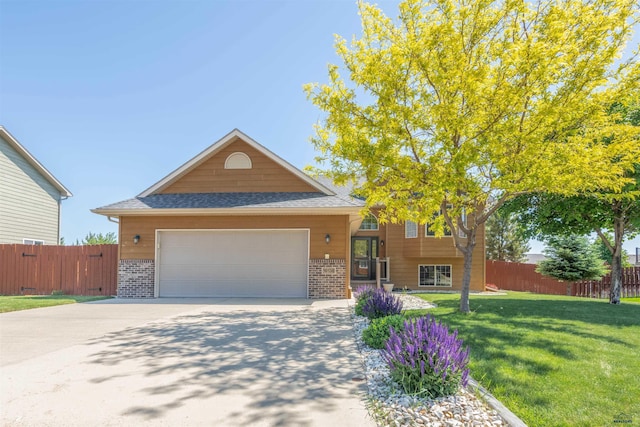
{"x":364,"y":251}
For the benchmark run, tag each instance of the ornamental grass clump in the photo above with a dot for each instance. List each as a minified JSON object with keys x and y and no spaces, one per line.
{"x":427,"y":360}
{"x":381,"y":304}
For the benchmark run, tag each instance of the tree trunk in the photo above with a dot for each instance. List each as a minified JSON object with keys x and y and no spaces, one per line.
{"x":616,"y":279}
{"x":466,"y":279}
{"x":469,"y":240}
{"x":616,"y":260}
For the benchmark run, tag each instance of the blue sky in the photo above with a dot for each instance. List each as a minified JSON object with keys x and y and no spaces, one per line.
{"x":111,"y":95}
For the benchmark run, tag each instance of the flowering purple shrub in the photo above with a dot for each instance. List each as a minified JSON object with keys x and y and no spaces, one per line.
{"x":425,"y":359}
{"x":362,"y":295}
{"x":381,"y":304}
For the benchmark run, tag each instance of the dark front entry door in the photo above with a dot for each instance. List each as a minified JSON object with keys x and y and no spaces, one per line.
{"x":364,"y":251}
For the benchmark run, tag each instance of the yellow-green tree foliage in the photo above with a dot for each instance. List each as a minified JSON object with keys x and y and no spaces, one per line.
{"x":469,"y":103}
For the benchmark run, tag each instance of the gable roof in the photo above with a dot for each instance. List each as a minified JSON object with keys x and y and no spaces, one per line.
{"x":4,"y":133}
{"x":329,"y":199}
{"x":220,"y":144}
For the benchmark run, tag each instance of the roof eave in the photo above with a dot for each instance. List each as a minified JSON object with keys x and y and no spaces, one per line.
{"x":346,"y":210}
{"x":34,"y":162}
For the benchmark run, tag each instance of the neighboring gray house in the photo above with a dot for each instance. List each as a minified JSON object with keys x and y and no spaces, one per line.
{"x":30,"y":196}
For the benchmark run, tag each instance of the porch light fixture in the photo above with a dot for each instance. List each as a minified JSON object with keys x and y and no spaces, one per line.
{"x":136,"y":239}
{"x":381,"y":242}
{"x":327,"y":238}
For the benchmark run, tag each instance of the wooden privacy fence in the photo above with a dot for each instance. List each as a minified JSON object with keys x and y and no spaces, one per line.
{"x":513,"y":276}
{"x":75,"y":270}
{"x":601,"y":288}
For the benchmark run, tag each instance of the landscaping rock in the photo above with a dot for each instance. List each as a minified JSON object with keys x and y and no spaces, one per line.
{"x":395,"y":408}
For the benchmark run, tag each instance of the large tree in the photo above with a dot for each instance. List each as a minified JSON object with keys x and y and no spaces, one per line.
{"x":458,"y":106}
{"x":505,"y":238}
{"x":613,"y":216}
{"x":605,"y":254}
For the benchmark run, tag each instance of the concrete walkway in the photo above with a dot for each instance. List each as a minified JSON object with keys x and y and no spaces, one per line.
{"x":186,"y":362}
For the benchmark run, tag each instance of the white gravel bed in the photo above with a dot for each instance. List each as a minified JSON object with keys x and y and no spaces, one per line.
{"x":390,"y":406}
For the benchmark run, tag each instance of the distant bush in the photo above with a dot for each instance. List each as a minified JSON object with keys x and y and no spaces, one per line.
{"x":378,"y":332}
{"x":425,"y":359}
{"x":381,"y":304}
{"x":362,"y":295}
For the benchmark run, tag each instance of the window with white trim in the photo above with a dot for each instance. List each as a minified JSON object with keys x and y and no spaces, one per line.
{"x":434,"y":275}
{"x":410,"y":230}
{"x":370,"y":222}
{"x":32,"y":242}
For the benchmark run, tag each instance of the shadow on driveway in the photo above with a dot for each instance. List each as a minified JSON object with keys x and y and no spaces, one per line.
{"x":288,"y":367}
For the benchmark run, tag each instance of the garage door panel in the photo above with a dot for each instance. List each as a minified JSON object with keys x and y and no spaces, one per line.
{"x":231,"y":272}
{"x":262,"y":263}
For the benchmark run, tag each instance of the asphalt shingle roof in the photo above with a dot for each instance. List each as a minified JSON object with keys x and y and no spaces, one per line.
{"x":235,"y":200}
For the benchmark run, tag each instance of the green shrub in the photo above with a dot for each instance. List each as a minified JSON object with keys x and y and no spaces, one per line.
{"x":377,"y":334}
{"x":57,"y":292}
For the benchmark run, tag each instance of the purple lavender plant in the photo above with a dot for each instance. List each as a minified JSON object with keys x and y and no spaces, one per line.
{"x":425,"y":359}
{"x":381,"y":304}
{"x":362,"y":295}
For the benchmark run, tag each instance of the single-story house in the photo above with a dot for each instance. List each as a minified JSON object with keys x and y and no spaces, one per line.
{"x":30,"y":196}
{"x":239,"y":221}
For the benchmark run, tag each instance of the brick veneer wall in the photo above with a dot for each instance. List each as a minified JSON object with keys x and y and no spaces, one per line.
{"x":136,"y":278}
{"x":327,"y":278}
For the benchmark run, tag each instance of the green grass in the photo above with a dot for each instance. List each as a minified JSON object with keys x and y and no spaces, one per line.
{"x":552,"y":360}
{"x":15,"y":303}
{"x":633,"y":299}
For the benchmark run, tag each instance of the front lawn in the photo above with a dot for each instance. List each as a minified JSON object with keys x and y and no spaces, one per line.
{"x":631,"y":299}
{"x":15,"y":303}
{"x":552,"y":360}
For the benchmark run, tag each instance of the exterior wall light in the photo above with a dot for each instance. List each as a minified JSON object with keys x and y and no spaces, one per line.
{"x":136,"y":239}
{"x":381,"y":242}
{"x":327,"y":238}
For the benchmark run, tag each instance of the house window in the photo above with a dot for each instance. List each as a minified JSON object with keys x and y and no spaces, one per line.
{"x":429,"y":232}
{"x":32,"y":242}
{"x":237,"y":161}
{"x":370,"y":222}
{"x":410,"y":230}
{"x":434,"y":275}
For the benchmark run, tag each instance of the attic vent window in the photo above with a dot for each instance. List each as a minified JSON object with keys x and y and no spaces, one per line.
{"x":237,"y":161}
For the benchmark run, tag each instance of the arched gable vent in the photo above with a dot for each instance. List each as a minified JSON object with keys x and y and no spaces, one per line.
{"x":237,"y":160}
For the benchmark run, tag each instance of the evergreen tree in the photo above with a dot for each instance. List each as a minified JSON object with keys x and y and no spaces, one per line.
{"x":571,"y":258}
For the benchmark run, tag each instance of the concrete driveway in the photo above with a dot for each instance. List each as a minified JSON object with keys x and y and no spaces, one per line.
{"x":185,"y":362}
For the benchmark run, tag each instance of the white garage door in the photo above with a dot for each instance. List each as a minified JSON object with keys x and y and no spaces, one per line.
{"x":233,"y":263}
